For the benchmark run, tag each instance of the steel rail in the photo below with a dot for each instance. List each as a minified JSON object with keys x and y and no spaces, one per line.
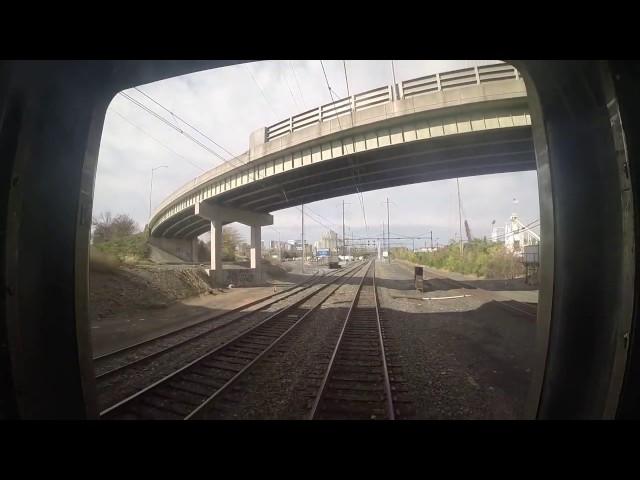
{"x":304,"y":286}
{"x":208,"y":319}
{"x":234,"y":379}
{"x":387,"y":385}
{"x":119,"y":405}
{"x":335,"y":349}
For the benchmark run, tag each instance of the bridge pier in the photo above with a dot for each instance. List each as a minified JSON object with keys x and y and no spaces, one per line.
{"x":256,"y":250}
{"x":216,"y":251}
{"x":219,"y":216}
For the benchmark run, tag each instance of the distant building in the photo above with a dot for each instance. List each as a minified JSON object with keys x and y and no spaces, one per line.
{"x":515,"y":235}
{"x":426,"y":249}
{"x":328,"y":240}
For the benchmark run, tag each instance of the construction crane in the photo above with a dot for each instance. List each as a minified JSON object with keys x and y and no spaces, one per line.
{"x":468,"y":229}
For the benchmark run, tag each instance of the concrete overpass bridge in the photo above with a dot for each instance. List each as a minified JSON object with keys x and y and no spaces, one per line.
{"x":460,"y":123}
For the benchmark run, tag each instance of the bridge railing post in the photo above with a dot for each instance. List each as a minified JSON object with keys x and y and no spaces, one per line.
{"x":477,"y":74}
{"x":320,"y":114}
{"x":438,"y":81}
{"x":290,"y":124}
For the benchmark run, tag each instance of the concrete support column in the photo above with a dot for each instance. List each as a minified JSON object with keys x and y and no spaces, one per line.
{"x":216,"y":250}
{"x":219,"y":215}
{"x":195,"y":244}
{"x":256,"y":250}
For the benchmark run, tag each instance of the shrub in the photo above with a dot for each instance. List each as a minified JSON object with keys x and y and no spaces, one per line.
{"x":103,"y":262}
{"x":481,"y":258}
{"x":129,"y":248}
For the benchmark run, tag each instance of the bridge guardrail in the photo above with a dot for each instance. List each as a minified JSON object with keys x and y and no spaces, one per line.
{"x":405,"y":89}
{"x":346,"y":106}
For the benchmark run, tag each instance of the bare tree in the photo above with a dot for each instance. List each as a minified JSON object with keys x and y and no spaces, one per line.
{"x":108,"y":228}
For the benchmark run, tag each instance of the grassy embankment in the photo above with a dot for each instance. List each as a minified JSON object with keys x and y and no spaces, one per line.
{"x":108,"y":256}
{"x":482,"y":258}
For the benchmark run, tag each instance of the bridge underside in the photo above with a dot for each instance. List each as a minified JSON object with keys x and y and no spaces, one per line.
{"x":477,"y":153}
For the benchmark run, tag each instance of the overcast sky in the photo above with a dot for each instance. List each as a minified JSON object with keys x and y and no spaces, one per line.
{"x":227,"y":104}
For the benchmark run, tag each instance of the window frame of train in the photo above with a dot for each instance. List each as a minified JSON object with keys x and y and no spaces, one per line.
{"x":583,"y":114}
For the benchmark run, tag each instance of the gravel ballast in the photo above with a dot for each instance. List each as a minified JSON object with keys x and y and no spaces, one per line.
{"x":463,"y":358}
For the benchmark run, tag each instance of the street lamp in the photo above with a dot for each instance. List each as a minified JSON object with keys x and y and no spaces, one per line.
{"x":151,"y":188}
{"x":279,"y":244}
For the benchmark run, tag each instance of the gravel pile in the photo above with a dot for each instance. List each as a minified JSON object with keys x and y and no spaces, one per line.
{"x":142,"y":288}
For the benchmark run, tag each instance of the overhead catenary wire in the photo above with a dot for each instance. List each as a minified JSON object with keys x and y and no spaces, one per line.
{"x":308,"y":215}
{"x":393,"y":71}
{"x":157,"y":141}
{"x":168,"y":123}
{"x":175,"y":115}
{"x":304,"y":103}
{"x":175,"y":127}
{"x":333,"y":103}
{"x":295,"y":102}
{"x":264,"y":96}
{"x":530,"y":226}
{"x":346,"y":81}
{"x":335,"y":224}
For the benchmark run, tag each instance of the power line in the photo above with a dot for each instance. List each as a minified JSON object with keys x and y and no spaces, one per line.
{"x":530,"y":226}
{"x":322,"y":217}
{"x":179,"y":130}
{"x":315,"y":220}
{"x":298,"y":84}
{"x":175,"y":127}
{"x":393,"y":71}
{"x":364,"y":214}
{"x":261,"y":91}
{"x":344,"y":66}
{"x":156,"y":140}
{"x":333,"y":103}
{"x":186,"y":123}
{"x":289,"y":87}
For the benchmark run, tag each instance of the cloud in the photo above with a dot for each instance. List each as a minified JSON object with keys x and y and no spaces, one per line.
{"x":227,"y":104}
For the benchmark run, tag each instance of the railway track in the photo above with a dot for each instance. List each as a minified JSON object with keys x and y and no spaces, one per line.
{"x":111,"y":363}
{"x":185,"y":393}
{"x":357,"y":382}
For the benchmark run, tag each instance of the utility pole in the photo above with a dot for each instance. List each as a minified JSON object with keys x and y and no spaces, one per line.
{"x":388,"y":233}
{"x":151,"y":187}
{"x":460,"y":216}
{"x":343,"y":239}
{"x":302,"y":265}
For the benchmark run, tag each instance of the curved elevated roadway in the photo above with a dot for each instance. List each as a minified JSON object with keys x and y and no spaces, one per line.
{"x":466,"y":122}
